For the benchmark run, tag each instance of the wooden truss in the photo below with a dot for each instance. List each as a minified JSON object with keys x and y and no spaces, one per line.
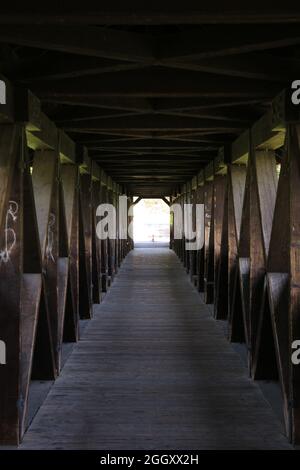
{"x":53,"y":268}
{"x":249,"y":265}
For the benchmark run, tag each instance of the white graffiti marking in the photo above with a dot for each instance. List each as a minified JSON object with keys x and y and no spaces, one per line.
{"x":10,"y":237}
{"x":49,"y":249}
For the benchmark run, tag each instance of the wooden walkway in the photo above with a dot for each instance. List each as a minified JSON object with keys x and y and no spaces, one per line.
{"x":154,"y":371}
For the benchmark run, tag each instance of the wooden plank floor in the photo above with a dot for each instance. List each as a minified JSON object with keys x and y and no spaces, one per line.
{"x":154,"y":371}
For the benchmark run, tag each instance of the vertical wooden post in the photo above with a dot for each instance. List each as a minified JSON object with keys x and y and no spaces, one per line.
{"x":208,"y":244}
{"x":70,"y":195}
{"x":45,"y":188}
{"x":11,"y":401}
{"x":262,"y":202}
{"x":220,"y":247}
{"x":201,"y":252}
{"x":85,"y":246}
{"x":96,"y":243}
{"x":104,"y":243}
{"x":294,"y":245}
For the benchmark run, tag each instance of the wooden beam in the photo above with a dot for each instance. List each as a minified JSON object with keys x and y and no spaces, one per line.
{"x":240,"y":148}
{"x":137,"y":200}
{"x":263,"y":134}
{"x":28,"y":109}
{"x":148,"y":162}
{"x":83,"y":160}
{"x":209,"y":171}
{"x":243,"y":115}
{"x":166,"y":201}
{"x":201,"y":178}
{"x":196,"y":104}
{"x":72,"y":115}
{"x":222,"y":160}
{"x":117,"y":103}
{"x":10,"y":141}
{"x":153,"y":123}
{"x":239,"y":39}
{"x":96,"y":42}
{"x":137,"y":13}
{"x":57,"y":66}
{"x":158,"y":82}
{"x":67,"y":148}
{"x":46,"y":137}
{"x":96,"y":172}
{"x":144,"y":145}
{"x":252,"y":66}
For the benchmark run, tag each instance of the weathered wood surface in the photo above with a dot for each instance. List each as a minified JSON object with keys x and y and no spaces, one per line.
{"x":154,"y":371}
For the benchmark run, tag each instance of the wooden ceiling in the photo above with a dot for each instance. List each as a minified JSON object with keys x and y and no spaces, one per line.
{"x":152,"y":93}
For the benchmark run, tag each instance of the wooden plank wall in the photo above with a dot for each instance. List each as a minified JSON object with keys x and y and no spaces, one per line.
{"x":249,"y":265}
{"x":52,"y":265}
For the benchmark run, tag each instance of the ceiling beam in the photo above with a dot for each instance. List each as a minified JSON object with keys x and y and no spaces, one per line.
{"x":83,"y":114}
{"x":153,"y":123}
{"x":129,"y":158}
{"x":140,"y":145}
{"x":60,"y":66}
{"x":205,"y":43}
{"x":159,"y":82}
{"x":251,"y":65}
{"x":116,"y":103}
{"x":135,"y":12}
{"x":163,"y":162}
{"x":144,"y":105}
{"x":89,"y":41}
{"x":227,"y":114}
{"x":187,"y":104}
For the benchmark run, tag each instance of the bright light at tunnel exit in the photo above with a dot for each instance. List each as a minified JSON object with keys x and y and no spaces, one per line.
{"x":151,"y":222}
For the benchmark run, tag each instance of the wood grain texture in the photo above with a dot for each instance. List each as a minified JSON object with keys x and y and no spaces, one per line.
{"x":154,"y":370}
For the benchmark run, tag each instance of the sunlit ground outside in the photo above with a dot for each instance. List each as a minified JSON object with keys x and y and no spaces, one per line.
{"x":151,"y":222}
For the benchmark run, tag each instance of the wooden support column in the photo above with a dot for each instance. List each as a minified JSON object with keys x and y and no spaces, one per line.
{"x":220,"y":247}
{"x":122,"y":242}
{"x":130,"y":242}
{"x":104,"y":243}
{"x":11,"y":216}
{"x":46,"y":196}
{"x":209,"y":235}
{"x":70,"y":214}
{"x":201,"y":252}
{"x":262,"y":202}
{"x":182,"y":244}
{"x":116,"y":205}
{"x":110,"y":243}
{"x":238,"y":241}
{"x":96,"y":242}
{"x":187,"y":253}
{"x":193,"y":253}
{"x":85,"y":246}
{"x":292,"y":166}
{"x":283,"y":280}
{"x":25,"y":319}
{"x":172,"y":244}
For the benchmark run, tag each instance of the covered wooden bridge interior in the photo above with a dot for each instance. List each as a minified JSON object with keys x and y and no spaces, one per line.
{"x":190,"y":104}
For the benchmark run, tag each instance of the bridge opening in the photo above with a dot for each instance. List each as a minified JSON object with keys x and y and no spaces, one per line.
{"x":151,"y":223}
